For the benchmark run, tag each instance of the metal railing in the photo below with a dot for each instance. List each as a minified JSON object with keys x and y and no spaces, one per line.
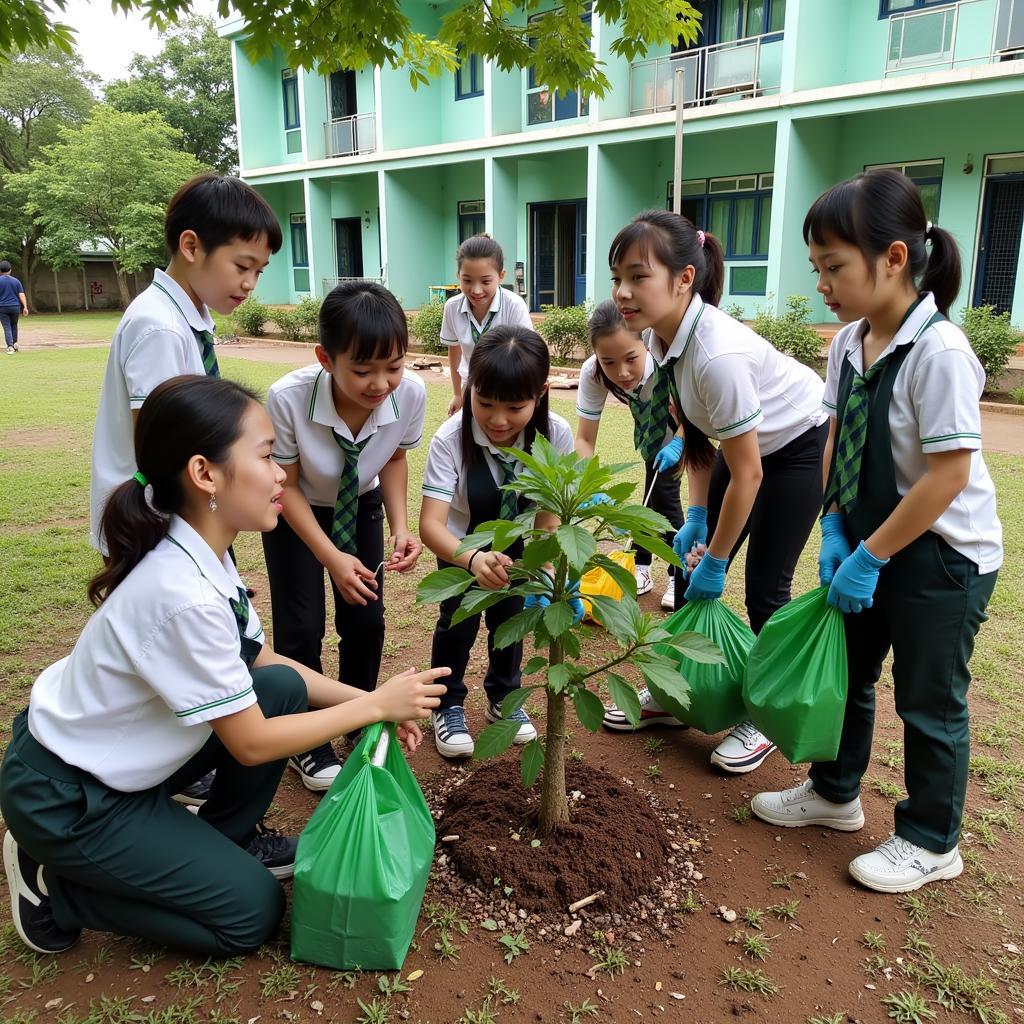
{"x":726,"y":71}
{"x":350,"y":136}
{"x":329,"y":283}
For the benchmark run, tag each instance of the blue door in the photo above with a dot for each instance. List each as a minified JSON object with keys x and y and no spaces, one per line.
{"x":1002,"y":219}
{"x":558,"y":253}
{"x":580,"y":280}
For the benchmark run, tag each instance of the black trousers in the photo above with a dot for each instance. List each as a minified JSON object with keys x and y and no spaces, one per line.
{"x":9,"y":322}
{"x":298,"y":603}
{"x":664,"y":499}
{"x":787,"y":505}
{"x":452,"y":645}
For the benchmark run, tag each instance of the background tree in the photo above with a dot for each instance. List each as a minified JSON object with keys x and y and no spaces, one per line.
{"x":42,"y":91}
{"x":189,"y":84}
{"x":107,"y":181}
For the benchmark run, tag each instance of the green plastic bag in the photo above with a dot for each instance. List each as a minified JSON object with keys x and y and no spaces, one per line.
{"x":362,"y":862}
{"x":795,"y":685}
{"x":716,"y":691}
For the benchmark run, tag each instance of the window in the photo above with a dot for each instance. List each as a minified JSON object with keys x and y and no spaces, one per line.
{"x":469,"y":76}
{"x":292,"y":116}
{"x":890,"y":7}
{"x":300,"y":252}
{"x":471,"y":219}
{"x":543,"y":106}
{"x":737,"y":210}
{"x":741,"y":19}
{"x":927,"y":176}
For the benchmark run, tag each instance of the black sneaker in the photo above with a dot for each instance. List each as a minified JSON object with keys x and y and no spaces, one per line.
{"x":30,"y":903}
{"x":198,"y":793}
{"x":317,"y":768}
{"x":276,"y":852}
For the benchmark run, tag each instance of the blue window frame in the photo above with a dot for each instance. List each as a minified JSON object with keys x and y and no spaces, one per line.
{"x":887,"y":8}
{"x":737,"y":210}
{"x":290,"y":89}
{"x":300,"y":251}
{"x":927,"y":176}
{"x":469,"y":76}
{"x":542,"y":105}
{"x":741,"y":19}
{"x":472,"y":220}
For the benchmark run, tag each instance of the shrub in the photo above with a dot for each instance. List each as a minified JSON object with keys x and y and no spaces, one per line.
{"x":426,"y":326}
{"x":993,"y":339}
{"x":565,"y":329}
{"x":791,"y":332}
{"x":250,"y":317}
{"x":290,"y":323}
{"x":1017,"y":394}
{"x":735,"y":310}
{"x":308,"y":311}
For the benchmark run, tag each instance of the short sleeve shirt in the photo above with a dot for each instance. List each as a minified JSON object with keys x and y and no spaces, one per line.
{"x":592,"y":393}
{"x":445,"y":475}
{"x":155,"y":340}
{"x":157,"y":662}
{"x":458,"y":321}
{"x":301,"y":407}
{"x":10,"y":289}
{"x":934,"y":408}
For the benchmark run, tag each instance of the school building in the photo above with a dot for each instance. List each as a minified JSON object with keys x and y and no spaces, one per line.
{"x":374,"y":179}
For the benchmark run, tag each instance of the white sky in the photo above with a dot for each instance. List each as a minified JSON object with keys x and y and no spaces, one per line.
{"x":108,"y":41}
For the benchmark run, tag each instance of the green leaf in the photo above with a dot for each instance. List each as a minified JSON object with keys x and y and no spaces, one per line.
{"x":495,"y":739}
{"x":558,"y":618}
{"x":620,"y":492}
{"x":489,"y":924}
{"x":535,"y":664}
{"x":475,"y":541}
{"x":654,"y":544}
{"x":531,"y":763}
{"x":513,"y":630}
{"x":662,"y":673}
{"x":570,"y":644}
{"x":559,"y":677}
{"x":540,"y":552}
{"x":515,"y":699}
{"x":622,"y":576}
{"x":625,"y":697}
{"x":475,"y":602}
{"x":589,"y":708}
{"x":444,"y":583}
{"x":697,"y":647}
{"x":614,"y":616}
{"x":577,"y":544}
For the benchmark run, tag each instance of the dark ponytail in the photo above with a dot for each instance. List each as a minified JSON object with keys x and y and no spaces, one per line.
{"x":508,"y":364}
{"x":872,"y":210}
{"x":182,"y":417}
{"x":677,"y":244}
{"x":480,"y":247}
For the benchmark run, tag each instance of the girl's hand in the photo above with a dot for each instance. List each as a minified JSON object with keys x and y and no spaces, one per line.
{"x":409,"y":696}
{"x":407,"y":549}
{"x":489,"y":569}
{"x":356,"y":583}
{"x":409,"y":735}
{"x":455,"y":405}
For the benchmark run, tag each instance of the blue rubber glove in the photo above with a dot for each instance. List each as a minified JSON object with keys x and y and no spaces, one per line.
{"x":536,"y":601}
{"x":855,"y":580}
{"x":542,"y":601}
{"x":575,"y":603}
{"x":669,"y":456}
{"x":707,"y":581}
{"x":598,"y":499}
{"x":693,"y":531}
{"x":835,"y":548}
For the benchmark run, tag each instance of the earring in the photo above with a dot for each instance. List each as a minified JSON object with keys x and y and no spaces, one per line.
{"x":213,"y":502}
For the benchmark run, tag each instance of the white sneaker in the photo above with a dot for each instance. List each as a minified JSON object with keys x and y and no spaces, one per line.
{"x":651,"y":713}
{"x":668,"y":599}
{"x":644,"y":583}
{"x":317,"y":768}
{"x":451,"y":736}
{"x":899,"y":866}
{"x":742,"y":750}
{"x":10,"y":350}
{"x":527,"y":732}
{"x":803,"y":806}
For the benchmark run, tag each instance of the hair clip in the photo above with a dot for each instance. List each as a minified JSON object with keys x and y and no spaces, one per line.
{"x":928,"y":229}
{"x":700,"y":238}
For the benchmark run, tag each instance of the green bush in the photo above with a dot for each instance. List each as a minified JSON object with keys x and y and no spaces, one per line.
{"x":735,"y":310}
{"x":250,"y":317}
{"x":308,"y":311}
{"x":426,"y":326}
{"x":1017,"y":394}
{"x":791,"y":332}
{"x":291,"y":323}
{"x":993,"y":339}
{"x":566,"y":329}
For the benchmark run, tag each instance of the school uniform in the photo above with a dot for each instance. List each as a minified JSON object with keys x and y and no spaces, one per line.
{"x":309,"y":431}
{"x":460,"y":327}
{"x":931,"y":596}
{"x":161,"y":335}
{"x":118,"y":726}
{"x":591,"y":397}
{"x":727,"y":381}
{"x":473,"y":497}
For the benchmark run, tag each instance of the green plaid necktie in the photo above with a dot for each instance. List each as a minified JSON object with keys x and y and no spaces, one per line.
{"x":210,"y":367}
{"x":640,"y":410}
{"x":852,"y":436}
{"x":343,"y":527}
{"x":509,"y":507}
{"x":477,"y":333}
{"x":249,"y":649}
{"x":659,"y":419}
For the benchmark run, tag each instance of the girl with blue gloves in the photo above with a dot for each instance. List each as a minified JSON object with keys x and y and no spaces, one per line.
{"x":622,"y":366}
{"x":911,"y":542}
{"x":723,"y":381}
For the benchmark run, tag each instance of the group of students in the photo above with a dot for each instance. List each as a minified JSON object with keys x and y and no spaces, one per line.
{"x":171,"y":700}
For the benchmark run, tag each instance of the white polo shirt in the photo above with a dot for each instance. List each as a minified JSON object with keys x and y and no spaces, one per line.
{"x":301,"y":406}
{"x":157,"y":662}
{"x":731,"y":380}
{"x":458,"y":321}
{"x":592,"y":393}
{"x":934,"y":408}
{"x":154,"y":341}
{"x":445,"y":475}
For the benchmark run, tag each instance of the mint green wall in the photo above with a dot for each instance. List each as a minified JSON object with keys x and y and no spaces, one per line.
{"x":460,"y":119}
{"x":459,"y":182}
{"x":501,"y":191}
{"x":412,"y":117}
{"x":275,"y":281}
{"x":615,"y":103}
{"x":817,"y":41}
{"x":319,"y":234}
{"x":356,"y":195}
{"x":314,"y":113}
{"x":415,"y":227}
{"x":260,"y":110}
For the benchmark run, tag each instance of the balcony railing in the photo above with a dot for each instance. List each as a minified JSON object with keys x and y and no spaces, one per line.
{"x":350,"y":136}
{"x":712,"y":74}
{"x":330,"y":283}
{"x":967,"y":33}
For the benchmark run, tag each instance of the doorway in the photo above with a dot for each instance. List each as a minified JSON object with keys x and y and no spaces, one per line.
{"x":348,"y":246}
{"x":558,"y":253}
{"x":1002,"y":220}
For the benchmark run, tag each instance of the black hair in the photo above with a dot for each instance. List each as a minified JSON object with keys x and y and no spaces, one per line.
{"x":220,"y":209}
{"x":875,"y":208}
{"x":363,"y":319}
{"x":606,"y":319}
{"x":5,"y":266}
{"x":508,"y":364}
{"x":480,"y":247}
{"x":676,"y":243}
{"x":182,"y":417}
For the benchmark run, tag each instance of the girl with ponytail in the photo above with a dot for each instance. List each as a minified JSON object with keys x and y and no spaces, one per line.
{"x":723,"y":383}
{"x":910,"y":539}
{"x":170,"y":679}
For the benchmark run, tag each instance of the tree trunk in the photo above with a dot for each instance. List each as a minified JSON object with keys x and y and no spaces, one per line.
{"x":122,"y":286}
{"x":554,"y":804}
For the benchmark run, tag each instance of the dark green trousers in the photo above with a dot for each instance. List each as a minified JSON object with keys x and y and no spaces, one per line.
{"x":928,"y":608}
{"x":139,"y":863}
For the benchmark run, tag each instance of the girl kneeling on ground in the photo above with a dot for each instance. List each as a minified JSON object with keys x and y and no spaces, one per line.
{"x":170,"y":679}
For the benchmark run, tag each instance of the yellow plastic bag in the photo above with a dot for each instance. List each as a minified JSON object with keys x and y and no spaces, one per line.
{"x":597,"y":582}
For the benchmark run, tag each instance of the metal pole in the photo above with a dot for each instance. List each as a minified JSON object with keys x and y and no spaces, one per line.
{"x":56,"y":289}
{"x":677,"y":178}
